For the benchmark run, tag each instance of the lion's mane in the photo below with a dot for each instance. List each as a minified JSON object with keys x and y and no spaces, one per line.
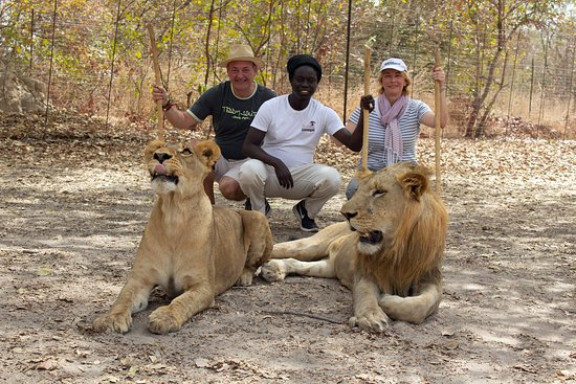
{"x":389,"y":252}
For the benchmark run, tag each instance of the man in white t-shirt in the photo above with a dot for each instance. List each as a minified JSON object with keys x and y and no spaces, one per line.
{"x":281,"y":143}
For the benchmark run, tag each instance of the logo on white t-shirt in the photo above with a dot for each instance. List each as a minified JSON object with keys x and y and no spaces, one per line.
{"x":310,"y":127}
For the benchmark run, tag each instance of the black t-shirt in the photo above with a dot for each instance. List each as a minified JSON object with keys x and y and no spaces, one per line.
{"x":231,"y":115}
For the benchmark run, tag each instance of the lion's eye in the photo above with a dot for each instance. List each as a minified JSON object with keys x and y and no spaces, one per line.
{"x":379,"y":193}
{"x":186,"y":152}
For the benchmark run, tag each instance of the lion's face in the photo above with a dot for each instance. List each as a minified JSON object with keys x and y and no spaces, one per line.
{"x":179,"y":167}
{"x":382,"y":203}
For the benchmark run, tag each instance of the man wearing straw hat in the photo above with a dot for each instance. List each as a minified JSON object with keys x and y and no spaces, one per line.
{"x":232,"y":105}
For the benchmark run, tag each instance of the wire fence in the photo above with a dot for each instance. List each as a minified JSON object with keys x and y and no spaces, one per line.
{"x":53,"y":67}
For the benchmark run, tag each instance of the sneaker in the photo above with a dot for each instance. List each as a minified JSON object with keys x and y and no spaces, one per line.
{"x":248,"y":206}
{"x":306,"y":224}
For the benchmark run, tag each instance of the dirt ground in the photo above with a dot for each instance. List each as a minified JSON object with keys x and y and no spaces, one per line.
{"x":75,"y":199}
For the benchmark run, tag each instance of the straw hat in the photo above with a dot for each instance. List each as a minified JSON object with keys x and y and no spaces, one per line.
{"x":241,"y":52}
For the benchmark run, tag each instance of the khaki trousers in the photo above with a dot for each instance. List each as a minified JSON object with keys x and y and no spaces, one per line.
{"x":313,"y":183}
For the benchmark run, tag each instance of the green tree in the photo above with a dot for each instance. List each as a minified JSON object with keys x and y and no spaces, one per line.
{"x":491,"y":27}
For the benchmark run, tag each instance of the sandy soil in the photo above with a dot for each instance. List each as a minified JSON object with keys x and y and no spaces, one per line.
{"x":74,"y":203}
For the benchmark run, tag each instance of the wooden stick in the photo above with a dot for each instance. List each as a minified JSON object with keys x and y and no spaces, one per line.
{"x":158,"y":74}
{"x":438,"y":128}
{"x":365,"y":112}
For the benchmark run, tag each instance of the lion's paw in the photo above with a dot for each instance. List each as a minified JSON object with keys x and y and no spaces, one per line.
{"x":163,"y":321}
{"x":120,"y":323}
{"x":413,"y":309}
{"x":274,"y":270}
{"x":376,"y":321}
{"x":391,"y":304}
{"x":245,"y":278}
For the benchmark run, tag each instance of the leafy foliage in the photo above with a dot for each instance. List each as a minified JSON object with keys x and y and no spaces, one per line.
{"x":97,"y":53}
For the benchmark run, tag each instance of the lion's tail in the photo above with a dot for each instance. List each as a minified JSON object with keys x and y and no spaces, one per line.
{"x":311,"y":248}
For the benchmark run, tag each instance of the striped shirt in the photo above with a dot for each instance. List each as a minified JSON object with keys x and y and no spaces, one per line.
{"x":409,"y":124}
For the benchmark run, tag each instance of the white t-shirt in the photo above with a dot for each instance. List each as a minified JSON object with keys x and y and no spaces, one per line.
{"x":292,"y":136}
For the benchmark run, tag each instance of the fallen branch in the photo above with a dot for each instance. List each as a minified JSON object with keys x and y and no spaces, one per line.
{"x":302,"y":314}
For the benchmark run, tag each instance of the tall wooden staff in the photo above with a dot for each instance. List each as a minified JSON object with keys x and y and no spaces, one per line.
{"x":158,"y":75}
{"x":365,"y":113}
{"x":438,"y":128}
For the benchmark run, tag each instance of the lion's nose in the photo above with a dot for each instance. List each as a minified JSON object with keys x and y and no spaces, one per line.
{"x":349,"y":215}
{"x":161,"y":157}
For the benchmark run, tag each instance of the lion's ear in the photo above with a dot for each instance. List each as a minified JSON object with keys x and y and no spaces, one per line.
{"x":414,"y":184}
{"x":363,"y":173}
{"x":151,"y":148}
{"x":208,"y":152}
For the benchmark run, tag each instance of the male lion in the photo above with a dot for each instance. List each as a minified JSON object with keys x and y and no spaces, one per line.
{"x":389,"y":253}
{"x":189,"y":247}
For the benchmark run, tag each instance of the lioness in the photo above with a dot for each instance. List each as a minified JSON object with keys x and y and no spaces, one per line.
{"x":389,"y":252}
{"x":189,"y":247}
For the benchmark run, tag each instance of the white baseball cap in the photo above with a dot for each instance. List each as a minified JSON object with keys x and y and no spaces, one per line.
{"x":394,"y":63}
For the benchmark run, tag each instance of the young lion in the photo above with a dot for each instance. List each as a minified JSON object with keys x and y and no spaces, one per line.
{"x":191,"y":249}
{"x":389,"y":253}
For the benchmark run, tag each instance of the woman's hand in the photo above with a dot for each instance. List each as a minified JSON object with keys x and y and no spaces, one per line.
{"x":438,"y":75}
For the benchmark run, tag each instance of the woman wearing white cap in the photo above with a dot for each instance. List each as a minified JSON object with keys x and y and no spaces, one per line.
{"x":395,"y":118}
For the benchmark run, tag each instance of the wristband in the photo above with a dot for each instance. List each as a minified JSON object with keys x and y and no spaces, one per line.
{"x":167,"y":106}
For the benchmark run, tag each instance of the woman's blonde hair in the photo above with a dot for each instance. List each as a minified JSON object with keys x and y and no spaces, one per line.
{"x":404,"y":90}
